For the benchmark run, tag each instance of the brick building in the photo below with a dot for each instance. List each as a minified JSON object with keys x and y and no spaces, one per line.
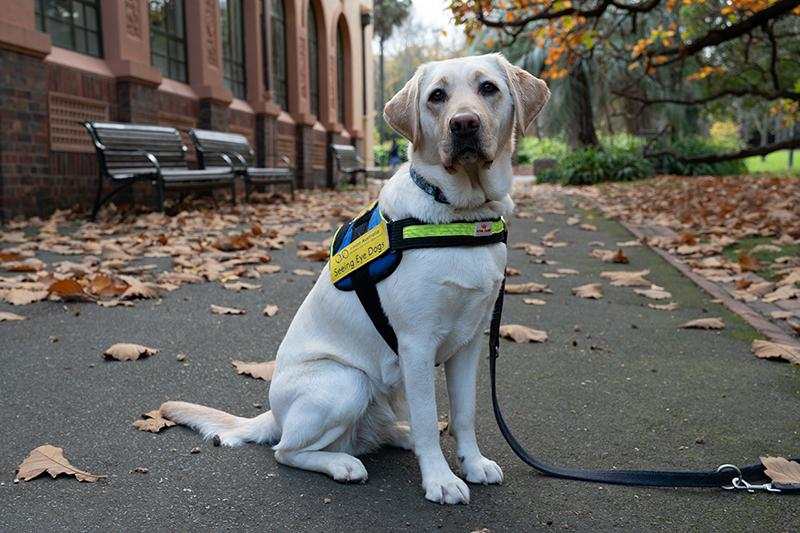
{"x":291,"y":75}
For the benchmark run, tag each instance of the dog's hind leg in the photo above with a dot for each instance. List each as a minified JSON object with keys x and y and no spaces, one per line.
{"x":225,"y":428}
{"x":320,"y":405}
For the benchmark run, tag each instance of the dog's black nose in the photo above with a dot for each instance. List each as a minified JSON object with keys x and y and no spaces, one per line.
{"x":465,"y":124}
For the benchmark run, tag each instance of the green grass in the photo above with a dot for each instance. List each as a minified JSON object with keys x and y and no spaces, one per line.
{"x":774,"y":163}
{"x":766,"y":258}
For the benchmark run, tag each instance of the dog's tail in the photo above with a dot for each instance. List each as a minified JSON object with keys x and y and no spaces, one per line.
{"x":224,"y":428}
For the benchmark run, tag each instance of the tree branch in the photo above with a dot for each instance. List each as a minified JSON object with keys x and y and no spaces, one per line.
{"x":775,"y":95}
{"x":741,"y":154}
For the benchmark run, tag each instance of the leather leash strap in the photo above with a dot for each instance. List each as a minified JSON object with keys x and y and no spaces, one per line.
{"x":727,"y":476}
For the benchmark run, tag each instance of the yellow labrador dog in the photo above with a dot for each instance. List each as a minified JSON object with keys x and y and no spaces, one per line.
{"x":338,"y":390}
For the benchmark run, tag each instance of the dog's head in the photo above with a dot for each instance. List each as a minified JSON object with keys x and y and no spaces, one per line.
{"x":463,"y":111}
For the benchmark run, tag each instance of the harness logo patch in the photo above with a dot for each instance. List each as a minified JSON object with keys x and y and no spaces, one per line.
{"x":483,"y":228}
{"x":371,"y":245}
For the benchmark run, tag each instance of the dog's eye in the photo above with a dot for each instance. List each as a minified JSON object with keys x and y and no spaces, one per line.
{"x":487,"y":88}
{"x":437,"y":96}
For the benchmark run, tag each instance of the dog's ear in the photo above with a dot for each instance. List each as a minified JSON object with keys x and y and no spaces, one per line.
{"x":402,"y":111}
{"x":529,"y":93}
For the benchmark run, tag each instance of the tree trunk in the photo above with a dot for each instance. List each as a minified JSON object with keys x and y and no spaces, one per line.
{"x":381,"y":90}
{"x":580,"y":129}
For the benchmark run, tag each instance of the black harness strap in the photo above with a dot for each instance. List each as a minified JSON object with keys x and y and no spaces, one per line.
{"x":727,"y":476}
{"x":367,"y":292}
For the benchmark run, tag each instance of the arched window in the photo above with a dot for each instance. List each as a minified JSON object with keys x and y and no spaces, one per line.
{"x":280,"y":80}
{"x":313,"y":61}
{"x":340,"y":74}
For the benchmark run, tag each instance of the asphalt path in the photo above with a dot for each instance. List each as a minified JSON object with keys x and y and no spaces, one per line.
{"x":617,"y":385}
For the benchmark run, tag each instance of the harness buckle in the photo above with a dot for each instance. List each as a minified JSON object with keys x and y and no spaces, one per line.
{"x":739,"y":483}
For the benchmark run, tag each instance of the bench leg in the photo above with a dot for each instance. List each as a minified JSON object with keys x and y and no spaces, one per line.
{"x":248,"y":187}
{"x":159,"y":195}
{"x":97,"y":198}
{"x":233,"y":192}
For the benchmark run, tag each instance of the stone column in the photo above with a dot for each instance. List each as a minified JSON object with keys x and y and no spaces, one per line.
{"x":24,"y":144}
{"x":126,"y":46}
{"x":204,"y":46}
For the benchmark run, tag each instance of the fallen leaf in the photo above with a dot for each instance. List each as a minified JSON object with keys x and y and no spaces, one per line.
{"x":591,"y":290}
{"x":522,"y":334}
{"x":5,"y":316}
{"x":621,"y":278}
{"x":263,"y":370}
{"x":233,"y":243}
{"x":511,"y":271}
{"x":114,"y":303}
{"x":653,"y":294}
{"x":220,"y":310}
{"x":782,"y":470}
{"x":69,"y":290}
{"x":138,"y":289}
{"x":268,"y":269}
{"x":567,"y":271}
{"x":620,"y":257}
{"x":748,"y":263}
{"x":128,"y":352}
{"x":664,"y":307}
{"x":316,"y":254}
{"x":152,"y":422}
{"x":24,"y":296}
{"x":704,"y":323}
{"x":303,"y":272}
{"x":270,"y":310}
{"x":774,"y":350}
{"x":50,"y":459}
{"x":588,"y":227}
{"x":534,"y":301}
{"x":106,"y":286}
{"x":241,"y":286}
{"x":526,"y":288}
{"x":552,"y":275}
{"x":786,"y":292}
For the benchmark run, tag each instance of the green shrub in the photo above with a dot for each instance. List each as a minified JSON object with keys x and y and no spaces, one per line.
{"x":693,"y":147}
{"x":593,"y":165}
{"x":531,"y":148}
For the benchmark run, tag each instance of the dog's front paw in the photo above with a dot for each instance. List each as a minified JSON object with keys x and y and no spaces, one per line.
{"x":482,"y":470}
{"x":446,"y":488}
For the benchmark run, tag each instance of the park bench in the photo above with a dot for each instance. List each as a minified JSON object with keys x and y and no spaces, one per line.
{"x":127,"y":153}
{"x":215,"y":147}
{"x":349,"y":163}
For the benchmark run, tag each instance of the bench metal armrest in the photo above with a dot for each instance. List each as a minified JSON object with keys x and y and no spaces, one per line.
{"x":225,"y":157}
{"x":287,"y":162}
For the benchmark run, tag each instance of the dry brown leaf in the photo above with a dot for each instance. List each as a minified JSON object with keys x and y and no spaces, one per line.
{"x":270,"y":310}
{"x":221,"y":310}
{"x":10,"y":317}
{"x":588,"y":227}
{"x":511,"y":271}
{"x":114,"y":303}
{"x":128,"y":352}
{"x":233,"y":243}
{"x":24,"y":296}
{"x":262,"y":370}
{"x":567,"y":271}
{"x":138,"y":289}
{"x":653,"y":294}
{"x":619,"y":257}
{"x":664,"y":307}
{"x":241,"y":286}
{"x":782,"y":470}
{"x":775,"y":350}
{"x":533,"y":301}
{"x":50,"y":459}
{"x":786,"y":292}
{"x":704,"y":323}
{"x":316,"y":254}
{"x":153,"y":422}
{"x":303,"y":272}
{"x":9,"y":256}
{"x":591,"y":290}
{"x":526,"y":288}
{"x":748,"y":263}
{"x":69,"y":290}
{"x":106,"y":286}
{"x":621,"y":278}
{"x":268,"y":269}
{"x":552,"y":275}
{"x":522,"y":334}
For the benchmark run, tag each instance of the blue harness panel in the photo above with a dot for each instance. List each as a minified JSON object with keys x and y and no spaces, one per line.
{"x":376,"y":270}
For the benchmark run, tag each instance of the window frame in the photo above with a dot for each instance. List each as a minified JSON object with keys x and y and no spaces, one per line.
{"x":231,"y":64}
{"x":42,"y":18}
{"x":280,"y":84}
{"x":314,"y":93}
{"x":341,"y":75}
{"x":172,"y":37}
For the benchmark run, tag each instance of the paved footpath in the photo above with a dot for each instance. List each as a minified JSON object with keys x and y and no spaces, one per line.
{"x":616,"y":385}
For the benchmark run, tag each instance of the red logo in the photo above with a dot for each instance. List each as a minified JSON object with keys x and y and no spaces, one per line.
{"x":483,"y":228}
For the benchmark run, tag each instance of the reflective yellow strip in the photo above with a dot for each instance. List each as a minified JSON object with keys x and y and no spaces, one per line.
{"x":457,"y":229}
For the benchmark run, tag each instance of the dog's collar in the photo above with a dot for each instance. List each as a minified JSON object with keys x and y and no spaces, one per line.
{"x":428,"y":187}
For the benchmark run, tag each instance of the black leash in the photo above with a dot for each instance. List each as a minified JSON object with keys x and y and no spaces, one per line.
{"x":727,"y":476}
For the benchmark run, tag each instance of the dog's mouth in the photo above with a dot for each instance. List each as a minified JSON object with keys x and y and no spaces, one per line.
{"x":466,"y":152}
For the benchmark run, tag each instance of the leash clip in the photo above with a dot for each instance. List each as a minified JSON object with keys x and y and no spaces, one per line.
{"x":739,"y":483}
